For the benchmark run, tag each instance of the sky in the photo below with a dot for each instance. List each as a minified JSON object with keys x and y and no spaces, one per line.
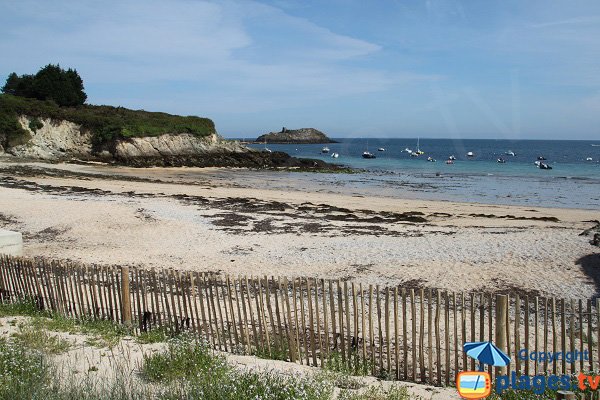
{"x":506,"y":69}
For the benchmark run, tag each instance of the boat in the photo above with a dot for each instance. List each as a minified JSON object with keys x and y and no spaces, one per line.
{"x":510,"y":153}
{"x":542,"y":165}
{"x":366,"y":154}
{"x":501,"y":160}
{"x":408,"y":150}
{"x":381,"y":149}
{"x":470,"y":154}
{"x":419,"y":152}
{"x":414,"y":154}
{"x":266,"y":148}
{"x":452,"y":158}
{"x":589,"y":159}
{"x":541,"y":158}
{"x":325,"y":150}
{"x":335,"y":155}
{"x":431,"y":159}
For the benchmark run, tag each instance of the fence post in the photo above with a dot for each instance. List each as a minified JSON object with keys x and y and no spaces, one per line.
{"x":125,"y":297}
{"x":501,"y":322}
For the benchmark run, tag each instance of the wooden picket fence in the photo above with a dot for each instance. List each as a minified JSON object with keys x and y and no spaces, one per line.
{"x":396,"y":332}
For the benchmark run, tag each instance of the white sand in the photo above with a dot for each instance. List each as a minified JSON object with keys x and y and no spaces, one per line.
{"x":458,"y":252}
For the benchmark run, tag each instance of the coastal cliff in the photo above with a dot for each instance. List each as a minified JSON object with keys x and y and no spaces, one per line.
{"x":298,"y":136}
{"x":61,"y":140}
{"x":30,"y":128}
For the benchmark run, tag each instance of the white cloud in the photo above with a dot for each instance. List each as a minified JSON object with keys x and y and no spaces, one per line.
{"x":219,"y":44}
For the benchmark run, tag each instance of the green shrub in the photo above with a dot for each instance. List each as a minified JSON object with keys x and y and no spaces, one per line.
{"x":184,"y":358}
{"x":35,"y":124}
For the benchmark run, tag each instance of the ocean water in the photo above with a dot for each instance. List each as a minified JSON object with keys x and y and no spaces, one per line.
{"x":572,"y":182}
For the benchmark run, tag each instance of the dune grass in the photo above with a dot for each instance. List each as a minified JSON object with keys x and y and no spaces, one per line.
{"x":187,"y":368}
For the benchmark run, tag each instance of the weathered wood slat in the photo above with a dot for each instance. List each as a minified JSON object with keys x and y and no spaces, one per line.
{"x":311,"y":321}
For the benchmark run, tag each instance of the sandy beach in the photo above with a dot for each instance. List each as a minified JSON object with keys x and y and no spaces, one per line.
{"x":212,"y":220}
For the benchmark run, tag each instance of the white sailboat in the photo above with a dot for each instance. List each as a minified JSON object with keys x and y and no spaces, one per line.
{"x":419,"y":152}
{"x":266,"y":148}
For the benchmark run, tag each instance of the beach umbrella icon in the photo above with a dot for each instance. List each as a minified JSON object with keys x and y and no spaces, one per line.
{"x":486,"y":353}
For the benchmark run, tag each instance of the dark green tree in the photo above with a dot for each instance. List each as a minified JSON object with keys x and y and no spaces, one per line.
{"x":65,"y":88}
{"x":12,"y":84}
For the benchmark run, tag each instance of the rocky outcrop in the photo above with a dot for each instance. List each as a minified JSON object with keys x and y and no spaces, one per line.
{"x":52,"y":140}
{"x":187,"y":150}
{"x":64,"y":140}
{"x":298,"y":136}
{"x":248,"y":159}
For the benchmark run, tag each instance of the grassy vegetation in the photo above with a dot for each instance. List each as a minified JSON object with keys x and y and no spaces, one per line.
{"x":105,"y":122}
{"x":21,"y":308}
{"x":194,"y":372}
{"x":20,"y":370}
{"x":100,"y":333}
{"x":33,"y":338}
{"x":158,"y":335}
{"x":186,"y":368}
{"x":377,"y":393}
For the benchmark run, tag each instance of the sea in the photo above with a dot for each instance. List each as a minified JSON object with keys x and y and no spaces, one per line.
{"x":573,"y":181}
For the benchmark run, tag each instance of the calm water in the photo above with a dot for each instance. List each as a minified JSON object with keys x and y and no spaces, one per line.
{"x":573,"y":181}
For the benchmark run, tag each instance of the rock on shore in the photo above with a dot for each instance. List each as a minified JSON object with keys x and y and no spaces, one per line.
{"x":299,"y":136}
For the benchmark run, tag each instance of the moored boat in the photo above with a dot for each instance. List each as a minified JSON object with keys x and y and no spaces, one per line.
{"x":367,"y":154}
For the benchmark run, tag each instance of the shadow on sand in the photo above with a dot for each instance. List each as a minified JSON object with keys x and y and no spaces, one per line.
{"x":591,"y":267}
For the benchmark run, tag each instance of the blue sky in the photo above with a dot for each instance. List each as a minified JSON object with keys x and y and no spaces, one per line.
{"x":436,"y":68}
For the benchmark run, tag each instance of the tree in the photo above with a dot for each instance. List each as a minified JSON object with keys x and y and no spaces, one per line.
{"x":65,"y":88}
{"x":12,"y":83}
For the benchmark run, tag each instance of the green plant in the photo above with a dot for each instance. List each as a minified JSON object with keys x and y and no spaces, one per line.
{"x":21,"y":308}
{"x":184,"y":357}
{"x":279,"y":350}
{"x":157,"y":335}
{"x":103,"y":333}
{"x":377,"y":393}
{"x":352,"y":365}
{"x":40,"y":340}
{"x":22,"y":371}
{"x":340,"y":380}
{"x":35,"y":124}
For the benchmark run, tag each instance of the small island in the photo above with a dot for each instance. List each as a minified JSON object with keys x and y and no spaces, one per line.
{"x":297,"y":136}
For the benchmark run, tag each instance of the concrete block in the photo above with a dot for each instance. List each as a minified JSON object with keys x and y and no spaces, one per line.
{"x":11,"y":243}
